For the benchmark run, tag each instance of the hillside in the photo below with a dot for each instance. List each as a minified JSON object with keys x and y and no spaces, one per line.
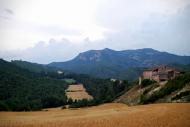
{"x":176,"y":90}
{"x":34,"y":67}
{"x":106,"y":115}
{"x":126,"y":64}
{"x":23,"y":89}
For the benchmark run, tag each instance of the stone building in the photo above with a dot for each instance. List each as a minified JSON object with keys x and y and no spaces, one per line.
{"x":160,"y":73}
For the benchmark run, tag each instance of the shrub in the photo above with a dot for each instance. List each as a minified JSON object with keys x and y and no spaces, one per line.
{"x":182,"y":94}
{"x":147,"y":82}
{"x":3,"y":106}
{"x":83,"y":103}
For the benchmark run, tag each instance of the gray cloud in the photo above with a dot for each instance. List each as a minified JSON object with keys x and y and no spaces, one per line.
{"x":158,"y":31}
{"x":6,"y":13}
{"x":143,"y":27}
{"x":9,"y":11}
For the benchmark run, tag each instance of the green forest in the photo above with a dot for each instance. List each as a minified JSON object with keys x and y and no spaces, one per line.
{"x":22,"y":89}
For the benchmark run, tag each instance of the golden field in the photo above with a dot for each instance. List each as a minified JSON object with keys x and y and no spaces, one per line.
{"x":79,"y":95}
{"x":106,"y":115}
{"x":77,"y":87}
{"x":77,"y":92}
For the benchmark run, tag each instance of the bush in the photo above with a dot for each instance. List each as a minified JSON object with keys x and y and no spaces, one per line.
{"x":63,"y":107}
{"x":83,"y":103}
{"x":3,"y":106}
{"x":147,"y":82}
{"x":182,"y":94}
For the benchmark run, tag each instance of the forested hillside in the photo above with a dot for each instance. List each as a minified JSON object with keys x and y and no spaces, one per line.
{"x":34,"y":67}
{"x":21,"y":89}
{"x":103,"y":90}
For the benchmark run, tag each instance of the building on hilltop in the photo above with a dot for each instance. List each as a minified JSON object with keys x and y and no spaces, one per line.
{"x":159,"y":73}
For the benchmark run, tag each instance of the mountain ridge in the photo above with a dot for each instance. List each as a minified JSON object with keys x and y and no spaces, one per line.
{"x":108,"y":63}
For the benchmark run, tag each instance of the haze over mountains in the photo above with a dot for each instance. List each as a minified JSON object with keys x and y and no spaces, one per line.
{"x":108,"y":63}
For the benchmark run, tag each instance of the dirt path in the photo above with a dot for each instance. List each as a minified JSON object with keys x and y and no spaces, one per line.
{"x":107,"y":115}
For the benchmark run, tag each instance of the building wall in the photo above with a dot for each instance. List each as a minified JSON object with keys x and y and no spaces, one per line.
{"x":162,"y":73}
{"x":163,"y":76}
{"x":156,"y":78}
{"x":147,"y":74}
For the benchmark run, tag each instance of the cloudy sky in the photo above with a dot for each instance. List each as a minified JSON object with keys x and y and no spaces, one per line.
{"x":57,"y":30}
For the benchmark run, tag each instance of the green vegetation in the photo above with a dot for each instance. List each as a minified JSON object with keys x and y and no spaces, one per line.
{"x":34,"y":67}
{"x":70,"y":81}
{"x":103,"y":90}
{"x":82,"y":103}
{"x":147,"y":82}
{"x":182,"y":94}
{"x":22,"y":90}
{"x":25,"y":90}
{"x":172,"y":85}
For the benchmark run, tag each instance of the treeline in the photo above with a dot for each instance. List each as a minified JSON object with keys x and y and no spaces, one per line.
{"x":81,"y":103}
{"x":25,"y":90}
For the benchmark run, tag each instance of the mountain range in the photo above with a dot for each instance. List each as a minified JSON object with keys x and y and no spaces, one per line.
{"x":125,"y":64}
{"x":31,"y":86}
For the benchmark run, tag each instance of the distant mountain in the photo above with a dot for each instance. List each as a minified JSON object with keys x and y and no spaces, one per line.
{"x":126,"y":64}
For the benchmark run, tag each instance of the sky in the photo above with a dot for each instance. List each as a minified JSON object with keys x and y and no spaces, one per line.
{"x":44,"y":31}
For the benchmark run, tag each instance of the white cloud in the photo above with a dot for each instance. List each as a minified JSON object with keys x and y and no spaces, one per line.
{"x":36,"y":20}
{"x":54,"y":50}
{"x":90,"y":24}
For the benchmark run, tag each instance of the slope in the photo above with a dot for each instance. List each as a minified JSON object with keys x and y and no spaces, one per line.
{"x":21,"y":89}
{"x":176,"y":90}
{"x":34,"y":67}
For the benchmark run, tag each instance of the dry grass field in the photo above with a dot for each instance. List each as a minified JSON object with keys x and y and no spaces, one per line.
{"x":79,"y":95}
{"x":77,"y":92}
{"x":107,"y":115}
{"x":76,"y":87}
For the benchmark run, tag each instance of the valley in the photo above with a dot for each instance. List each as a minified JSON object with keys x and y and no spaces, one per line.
{"x":95,"y":63}
{"x":30,"y":92}
{"x":105,"y":115}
